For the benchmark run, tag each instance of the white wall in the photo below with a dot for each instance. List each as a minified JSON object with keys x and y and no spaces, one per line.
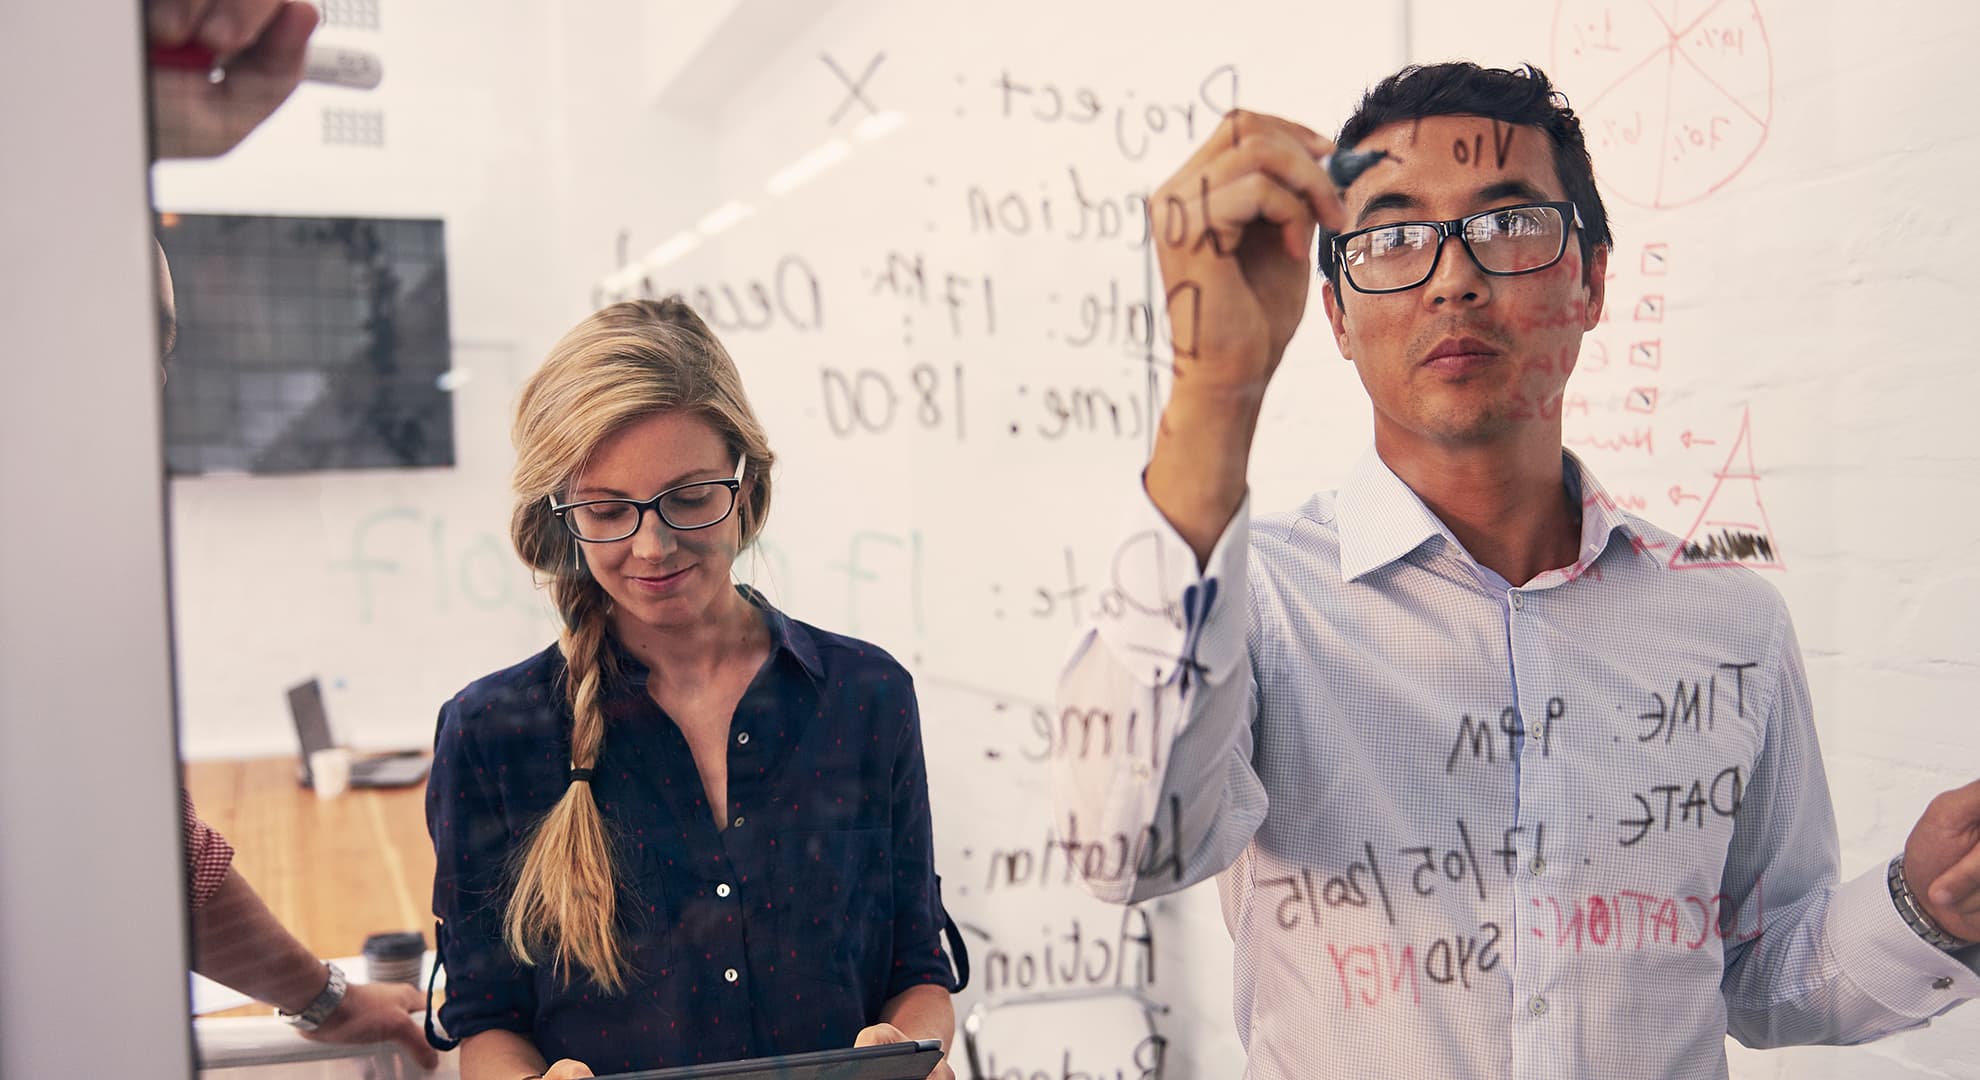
{"x":396,"y":587}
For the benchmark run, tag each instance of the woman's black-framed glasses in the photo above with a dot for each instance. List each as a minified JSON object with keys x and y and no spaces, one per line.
{"x":1506,"y":240}
{"x":690,"y":506}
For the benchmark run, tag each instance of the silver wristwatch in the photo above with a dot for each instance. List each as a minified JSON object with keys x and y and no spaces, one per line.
{"x":313,"y":1016}
{"x":1914,"y":913}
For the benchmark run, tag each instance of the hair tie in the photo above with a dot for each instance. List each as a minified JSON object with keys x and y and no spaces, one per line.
{"x":580,"y":774}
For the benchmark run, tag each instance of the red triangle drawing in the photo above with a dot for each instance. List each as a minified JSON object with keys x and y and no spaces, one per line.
{"x":1732,"y":527}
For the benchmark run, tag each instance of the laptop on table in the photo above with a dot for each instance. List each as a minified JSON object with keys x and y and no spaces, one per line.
{"x":313,"y":732}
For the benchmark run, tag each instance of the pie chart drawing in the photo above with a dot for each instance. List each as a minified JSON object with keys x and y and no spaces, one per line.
{"x":1675,"y":96}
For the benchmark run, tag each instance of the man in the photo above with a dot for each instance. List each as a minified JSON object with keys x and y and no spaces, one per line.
{"x":1424,"y":727}
{"x":236,"y":940}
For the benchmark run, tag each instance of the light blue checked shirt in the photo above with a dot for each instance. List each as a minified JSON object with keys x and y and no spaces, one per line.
{"x":1578,"y":827}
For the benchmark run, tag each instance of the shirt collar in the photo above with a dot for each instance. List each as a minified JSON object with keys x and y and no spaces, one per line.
{"x":1382,"y":520}
{"x":1600,"y":515}
{"x":787,"y":635}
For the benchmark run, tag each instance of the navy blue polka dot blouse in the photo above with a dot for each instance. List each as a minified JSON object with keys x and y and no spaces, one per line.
{"x":786,"y":931}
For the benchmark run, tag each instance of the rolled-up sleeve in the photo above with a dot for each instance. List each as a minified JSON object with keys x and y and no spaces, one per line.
{"x":208,"y":855}
{"x":918,"y":913}
{"x":486,"y":987}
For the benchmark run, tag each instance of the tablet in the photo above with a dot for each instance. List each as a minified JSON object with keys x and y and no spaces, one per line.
{"x":891,"y":1061}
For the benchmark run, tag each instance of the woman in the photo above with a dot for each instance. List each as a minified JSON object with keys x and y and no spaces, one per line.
{"x":693,"y":830}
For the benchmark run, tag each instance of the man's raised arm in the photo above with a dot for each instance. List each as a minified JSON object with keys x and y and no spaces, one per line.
{"x":1156,"y":706}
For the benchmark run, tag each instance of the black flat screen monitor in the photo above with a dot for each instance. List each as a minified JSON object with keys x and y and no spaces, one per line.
{"x":306,"y":344}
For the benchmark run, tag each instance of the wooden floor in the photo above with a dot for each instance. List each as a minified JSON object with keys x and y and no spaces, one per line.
{"x":333,"y":870}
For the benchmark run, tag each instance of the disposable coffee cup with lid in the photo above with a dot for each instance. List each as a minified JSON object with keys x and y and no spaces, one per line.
{"x":394,"y":957}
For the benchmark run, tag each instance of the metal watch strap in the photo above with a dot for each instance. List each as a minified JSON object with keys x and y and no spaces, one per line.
{"x":313,"y":1016}
{"x":1914,"y":913}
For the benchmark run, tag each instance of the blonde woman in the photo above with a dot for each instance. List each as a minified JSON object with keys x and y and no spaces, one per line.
{"x":694,"y":829}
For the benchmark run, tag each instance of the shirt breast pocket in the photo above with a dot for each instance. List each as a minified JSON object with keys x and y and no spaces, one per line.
{"x":836,"y":890}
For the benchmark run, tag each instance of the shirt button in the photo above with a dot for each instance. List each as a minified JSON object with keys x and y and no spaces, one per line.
{"x":1519,"y":602}
{"x":722,"y":890}
{"x":1943,"y":982}
{"x":742,"y":738}
{"x":1539,"y":866}
{"x":731,"y":975}
{"x":739,"y":822}
{"x":1538,"y":1005}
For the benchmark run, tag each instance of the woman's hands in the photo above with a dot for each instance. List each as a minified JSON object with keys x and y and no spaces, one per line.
{"x":882,"y":1034}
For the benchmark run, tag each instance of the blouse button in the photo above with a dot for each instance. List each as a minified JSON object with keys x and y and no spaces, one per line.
{"x":722,"y":890}
{"x":731,"y":975}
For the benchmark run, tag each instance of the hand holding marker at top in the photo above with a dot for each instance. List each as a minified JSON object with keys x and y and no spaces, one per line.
{"x":221,"y":67}
{"x":331,"y":64}
{"x":1234,"y":230}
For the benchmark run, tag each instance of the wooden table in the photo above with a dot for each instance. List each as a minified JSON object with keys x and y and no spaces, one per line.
{"x":334,"y":871}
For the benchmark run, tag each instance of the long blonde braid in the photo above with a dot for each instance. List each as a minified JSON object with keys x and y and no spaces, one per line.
{"x":626,"y":362}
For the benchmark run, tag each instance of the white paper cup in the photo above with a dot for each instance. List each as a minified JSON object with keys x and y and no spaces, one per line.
{"x":330,"y":772}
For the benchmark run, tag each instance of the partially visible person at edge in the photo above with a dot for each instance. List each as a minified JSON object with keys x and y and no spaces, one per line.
{"x":694,"y":829}
{"x":236,"y":940}
{"x":1419,"y":727}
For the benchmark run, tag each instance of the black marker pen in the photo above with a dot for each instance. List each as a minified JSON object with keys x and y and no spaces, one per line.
{"x":1345,"y":166}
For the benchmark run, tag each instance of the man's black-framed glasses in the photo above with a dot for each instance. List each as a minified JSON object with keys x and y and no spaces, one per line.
{"x":683,"y":508}
{"x":1506,"y":240}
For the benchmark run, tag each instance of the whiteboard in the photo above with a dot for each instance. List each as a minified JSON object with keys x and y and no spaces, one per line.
{"x":917,"y":227}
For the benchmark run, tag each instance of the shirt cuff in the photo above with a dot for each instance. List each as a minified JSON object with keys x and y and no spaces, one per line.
{"x":926,"y":964}
{"x":1196,"y":624}
{"x":1887,"y":960}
